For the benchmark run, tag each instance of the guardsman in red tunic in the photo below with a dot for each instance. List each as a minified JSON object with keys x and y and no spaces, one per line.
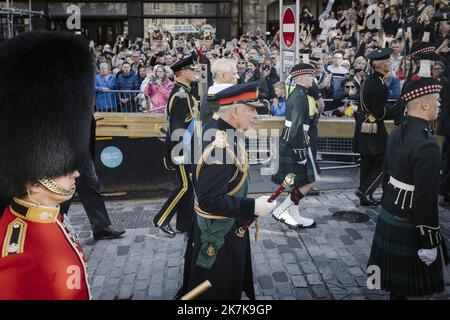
{"x":41,"y":257}
{"x":47,"y":106}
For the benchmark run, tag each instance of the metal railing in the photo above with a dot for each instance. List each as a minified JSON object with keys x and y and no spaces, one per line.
{"x":124,"y":101}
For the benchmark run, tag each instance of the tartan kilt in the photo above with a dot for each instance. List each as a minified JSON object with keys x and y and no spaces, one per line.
{"x":304,"y":174}
{"x":394,"y":251}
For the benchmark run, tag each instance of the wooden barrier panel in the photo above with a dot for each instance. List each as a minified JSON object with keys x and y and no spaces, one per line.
{"x":144,"y":125}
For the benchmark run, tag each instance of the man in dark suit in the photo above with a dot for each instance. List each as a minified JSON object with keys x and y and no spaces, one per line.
{"x":88,"y":190}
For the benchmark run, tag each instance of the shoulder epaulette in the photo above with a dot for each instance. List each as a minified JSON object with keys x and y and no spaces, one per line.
{"x":14,"y":240}
{"x":181,"y":94}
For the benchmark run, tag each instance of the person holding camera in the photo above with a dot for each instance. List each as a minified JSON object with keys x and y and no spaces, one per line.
{"x":158,"y":89}
{"x":253,"y":71}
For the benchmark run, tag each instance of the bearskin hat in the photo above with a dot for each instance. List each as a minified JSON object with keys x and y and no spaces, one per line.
{"x":47,"y":98}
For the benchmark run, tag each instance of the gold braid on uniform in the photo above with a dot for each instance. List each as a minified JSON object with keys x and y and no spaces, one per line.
{"x":52,"y":186}
{"x":371,"y":118}
{"x":221,"y":143}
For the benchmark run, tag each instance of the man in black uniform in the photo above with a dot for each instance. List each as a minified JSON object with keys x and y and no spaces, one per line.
{"x":182,"y":112}
{"x":370,"y":133}
{"x":295,"y":155}
{"x":218,"y":247}
{"x":408,"y":247}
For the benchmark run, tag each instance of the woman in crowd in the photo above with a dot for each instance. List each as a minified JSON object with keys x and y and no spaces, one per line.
{"x":360,"y":63}
{"x":346,"y":96}
{"x":253,"y":72}
{"x":159,"y":89}
{"x":403,"y":70}
{"x":104,"y":83}
{"x":327,"y":24}
{"x":391,"y":22}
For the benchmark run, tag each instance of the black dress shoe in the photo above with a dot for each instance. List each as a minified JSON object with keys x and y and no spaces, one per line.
{"x":168,"y":230}
{"x":108,"y":233}
{"x":366,"y":199}
{"x":375,"y":201}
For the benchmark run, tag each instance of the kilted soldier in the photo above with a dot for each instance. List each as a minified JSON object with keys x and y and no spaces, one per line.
{"x":182,"y":112}
{"x":45,"y":133}
{"x":218,"y":247}
{"x":370,"y":132}
{"x":421,"y":55}
{"x":408,"y":247}
{"x":295,"y":155}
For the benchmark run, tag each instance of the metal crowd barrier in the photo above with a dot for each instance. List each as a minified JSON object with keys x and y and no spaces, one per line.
{"x":124,"y":101}
{"x":337,"y":151}
{"x":261,"y":149}
{"x":339,"y":147}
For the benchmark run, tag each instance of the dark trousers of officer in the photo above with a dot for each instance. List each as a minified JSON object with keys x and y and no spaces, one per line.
{"x":181,"y":201}
{"x":370,"y":173}
{"x":313,"y":136}
{"x":445,"y":177}
{"x":88,"y":190}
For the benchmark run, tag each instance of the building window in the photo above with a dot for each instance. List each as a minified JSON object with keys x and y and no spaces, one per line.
{"x":195,"y":26}
{"x":186,"y":9}
{"x":88,"y":8}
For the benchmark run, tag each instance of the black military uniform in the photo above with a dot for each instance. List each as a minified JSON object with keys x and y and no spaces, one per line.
{"x":182,"y":112}
{"x":295,"y":156}
{"x":372,"y":145}
{"x":408,"y":220}
{"x":216,"y":250}
{"x":443,"y":129}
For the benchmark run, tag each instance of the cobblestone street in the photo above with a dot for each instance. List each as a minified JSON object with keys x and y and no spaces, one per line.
{"x":326,"y":262}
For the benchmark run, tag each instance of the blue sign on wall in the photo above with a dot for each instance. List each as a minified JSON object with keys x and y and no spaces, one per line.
{"x":111,"y":157}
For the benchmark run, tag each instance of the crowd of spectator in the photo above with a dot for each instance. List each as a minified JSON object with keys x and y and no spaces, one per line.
{"x":336,"y":43}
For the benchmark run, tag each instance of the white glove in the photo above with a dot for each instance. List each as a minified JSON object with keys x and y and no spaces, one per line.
{"x":428,"y":256}
{"x":301,"y":155}
{"x":262,"y":207}
{"x":178,"y":160}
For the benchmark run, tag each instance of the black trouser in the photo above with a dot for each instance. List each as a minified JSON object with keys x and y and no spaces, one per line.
{"x":181,"y":201}
{"x":88,"y":190}
{"x":313,"y":136}
{"x":370,"y":172}
{"x":445,"y":176}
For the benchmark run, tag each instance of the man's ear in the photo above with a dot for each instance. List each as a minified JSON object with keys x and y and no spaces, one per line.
{"x":425,"y":105}
{"x":33,"y":187}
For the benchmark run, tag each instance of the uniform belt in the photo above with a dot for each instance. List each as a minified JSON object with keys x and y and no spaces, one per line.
{"x":205,"y":214}
{"x":401,"y":185}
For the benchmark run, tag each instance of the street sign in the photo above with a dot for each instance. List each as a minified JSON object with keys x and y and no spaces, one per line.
{"x":288,"y":27}
{"x":289,"y":18}
{"x":288,"y":61}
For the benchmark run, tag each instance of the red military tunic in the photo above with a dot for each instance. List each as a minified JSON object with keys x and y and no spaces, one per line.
{"x":41,"y":257}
